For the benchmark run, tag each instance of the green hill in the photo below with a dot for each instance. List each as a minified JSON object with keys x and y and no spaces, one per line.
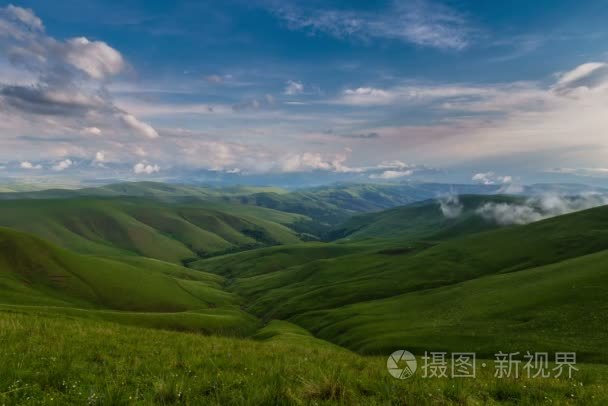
{"x":38,"y":277}
{"x":64,"y":360}
{"x":150,"y":190}
{"x":133,"y":226}
{"x":341,"y":297}
{"x":422,"y":220}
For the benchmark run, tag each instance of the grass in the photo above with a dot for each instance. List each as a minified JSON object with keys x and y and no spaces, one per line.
{"x":423,"y":220}
{"x":559,"y":307}
{"x":288,"y":324}
{"x":540,"y":286}
{"x":39,"y":278}
{"x":55,"y":360}
{"x":173,"y":233}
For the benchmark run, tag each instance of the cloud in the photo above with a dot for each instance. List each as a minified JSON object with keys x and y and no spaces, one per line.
{"x":145,"y":168}
{"x":392,"y":174}
{"x":46,"y":100}
{"x":29,"y":165}
{"x":100,"y":156}
{"x":490,"y":178}
{"x":62,"y":165}
{"x":587,"y":172}
{"x":26,"y":16}
{"x":293,"y":88}
{"x":464,"y":97}
{"x":138,"y":126}
{"x":365,"y":96}
{"x":313,"y":161}
{"x":91,"y":131}
{"x":450,"y":206}
{"x":539,"y":208}
{"x":96,"y":58}
{"x":65,"y":91}
{"x":422,"y":23}
{"x":587,"y":75}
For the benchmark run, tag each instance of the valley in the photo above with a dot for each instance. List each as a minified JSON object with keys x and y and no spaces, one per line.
{"x":249,"y":282}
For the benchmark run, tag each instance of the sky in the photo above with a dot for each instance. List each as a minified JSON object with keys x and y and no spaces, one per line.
{"x":304,"y":91}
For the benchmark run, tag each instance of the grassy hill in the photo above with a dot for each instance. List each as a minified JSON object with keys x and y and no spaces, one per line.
{"x":132,"y":226}
{"x":62,"y":360}
{"x":327,"y":205}
{"x":145,"y":189}
{"x":82,"y":323}
{"x":422,"y":220}
{"x":353,"y":299}
{"x":42,"y":278}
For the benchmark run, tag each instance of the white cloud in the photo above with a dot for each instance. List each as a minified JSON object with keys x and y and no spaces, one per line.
{"x":293,"y":88}
{"x":579,"y":73}
{"x":309,"y":161}
{"x":145,"y":168}
{"x":490,"y":178}
{"x":29,"y":165}
{"x":26,"y":16}
{"x":100,"y":156}
{"x":91,"y":131}
{"x":138,"y":126}
{"x":96,"y":58}
{"x":539,"y":208}
{"x":139,"y":151}
{"x":423,"y":23}
{"x":365,"y":96}
{"x":65,"y":93}
{"x":450,"y":206}
{"x":62,"y":165}
{"x":392,"y":174}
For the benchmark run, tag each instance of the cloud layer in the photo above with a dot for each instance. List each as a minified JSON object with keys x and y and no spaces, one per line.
{"x":539,"y":208}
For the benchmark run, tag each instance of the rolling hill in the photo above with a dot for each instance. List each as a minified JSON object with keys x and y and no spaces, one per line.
{"x":38,"y":277}
{"x":344,"y":298}
{"x":422,"y":220}
{"x":135,"y":226}
{"x":406,"y":277}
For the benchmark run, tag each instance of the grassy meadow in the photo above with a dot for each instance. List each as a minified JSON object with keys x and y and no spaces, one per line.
{"x":181,"y":295}
{"x":58,"y":360}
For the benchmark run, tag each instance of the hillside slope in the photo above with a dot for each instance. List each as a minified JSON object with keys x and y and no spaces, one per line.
{"x":168,"y":232}
{"x":38,"y":277}
{"x":354,"y":299}
{"x":422,"y":220}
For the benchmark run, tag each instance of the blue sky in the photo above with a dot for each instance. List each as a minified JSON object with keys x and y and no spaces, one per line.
{"x":458,"y":91}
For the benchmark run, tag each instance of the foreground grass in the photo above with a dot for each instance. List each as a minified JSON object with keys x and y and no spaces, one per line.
{"x":56,"y":360}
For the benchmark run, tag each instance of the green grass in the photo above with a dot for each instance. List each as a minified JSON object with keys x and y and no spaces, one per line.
{"x":37,"y":277}
{"x":55,"y":360}
{"x":559,"y":307}
{"x":173,"y":233}
{"x":537,"y":286}
{"x":36,"y":272}
{"x":422,"y":220}
{"x":113,"y":317}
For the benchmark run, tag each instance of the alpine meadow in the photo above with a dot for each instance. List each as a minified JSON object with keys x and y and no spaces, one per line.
{"x":303,"y":203}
